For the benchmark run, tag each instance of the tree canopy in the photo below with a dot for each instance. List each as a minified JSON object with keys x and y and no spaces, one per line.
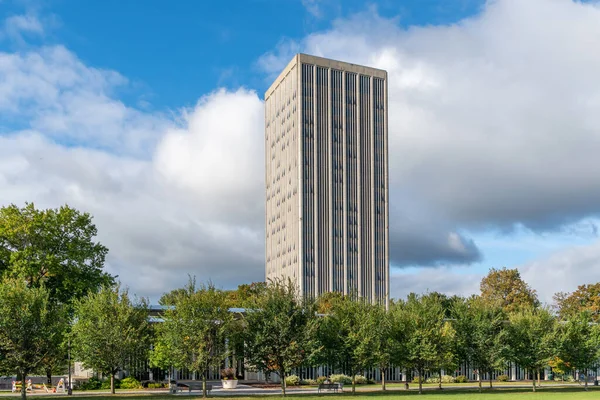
{"x":429,"y":334}
{"x":506,"y":289}
{"x":585,"y":298}
{"x":246,"y":294}
{"x":529,"y":336}
{"x":578,"y":342}
{"x":54,"y":248}
{"x":280,"y":330}
{"x":352,"y":335}
{"x":194,"y":331}
{"x":29,"y":325}
{"x":109,"y":329}
{"x":479,"y":326}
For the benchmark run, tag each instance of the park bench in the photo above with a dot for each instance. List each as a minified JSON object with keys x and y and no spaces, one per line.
{"x":328,"y":386}
{"x":193,"y":386}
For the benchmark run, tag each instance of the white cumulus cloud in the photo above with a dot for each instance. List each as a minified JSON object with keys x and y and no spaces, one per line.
{"x":493,"y":122}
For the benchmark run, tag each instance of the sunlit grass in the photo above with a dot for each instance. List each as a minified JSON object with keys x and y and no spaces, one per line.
{"x":549,"y":391}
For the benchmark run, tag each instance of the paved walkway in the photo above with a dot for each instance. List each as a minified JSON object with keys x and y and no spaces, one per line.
{"x":248,"y":390}
{"x":217,"y":390}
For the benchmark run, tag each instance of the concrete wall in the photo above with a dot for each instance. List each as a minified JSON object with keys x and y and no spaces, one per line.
{"x":327,"y":213}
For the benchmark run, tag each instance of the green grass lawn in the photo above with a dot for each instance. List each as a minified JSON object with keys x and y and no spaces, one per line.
{"x":551,"y":393}
{"x":484,"y":384}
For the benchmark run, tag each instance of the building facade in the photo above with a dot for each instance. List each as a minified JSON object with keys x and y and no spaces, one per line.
{"x":326,"y":153}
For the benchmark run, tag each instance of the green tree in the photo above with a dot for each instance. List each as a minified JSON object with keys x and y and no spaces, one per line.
{"x":326,"y":301}
{"x":279,"y":330}
{"x":29,"y":324}
{"x":428,"y":332}
{"x":349,"y":335}
{"x":505,"y":288}
{"x":585,"y":298}
{"x":479,"y":327}
{"x":447,"y":359}
{"x":529,"y":336}
{"x":194,"y":332}
{"x":384,"y":345}
{"x":109,"y":329}
{"x":399,"y":333}
{"x":53,"y":247}
{"x":579,"y":342}
{"x":559,"y":366}
{"x":169,"y":298}
{"x":246,"y":294}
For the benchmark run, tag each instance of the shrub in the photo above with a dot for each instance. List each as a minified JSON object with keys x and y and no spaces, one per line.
{"x":130,"y":383}
{"x":341,"y":378}
{"x":292,"y":380}
{"x":461,"y":379}
{"x":321,"y":379}
{"x":106,"y":384}
{"x":155,"y":385}
{"x":360,"y":380}
{"x":416,"y":379}
{"x":91,"y":384}
{"x":436,"y":379}
{"x":309,"y":381}
{"x":569,"y":378}
{"x":502,"y":378}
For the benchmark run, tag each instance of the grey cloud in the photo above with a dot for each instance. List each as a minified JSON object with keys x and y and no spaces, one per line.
{"x":562,"y":270}
{"x":444,"y":280}
{"x":411,"y":247}
{"x":493,"y":120}
{"x":422,"y":240}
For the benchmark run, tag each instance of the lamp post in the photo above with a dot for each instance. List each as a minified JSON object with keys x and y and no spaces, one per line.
{"x":69,"y":390}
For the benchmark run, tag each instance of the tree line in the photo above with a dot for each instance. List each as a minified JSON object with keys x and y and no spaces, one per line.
{"x":56,"y":298}
{"x":424,"y":333}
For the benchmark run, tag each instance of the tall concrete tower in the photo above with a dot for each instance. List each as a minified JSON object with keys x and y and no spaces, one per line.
{"x":326,"y":153}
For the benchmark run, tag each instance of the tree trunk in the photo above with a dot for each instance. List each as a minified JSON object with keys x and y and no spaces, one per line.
{"x":479,"y":379}
{"x":112,"y":383}
{"x":539,"y":380}
{"x":23,"y":386}
{"x":586,"y":379}
{"x":282,"y":376}
{"x":490,"y":374}
{"x":533,"y":380}
{"x":440,"y":382}
{"x":420,"y":381}
{"x":353,"y":383}
{"x":204,"y":385}
{"x":382,"y":379}
{"x":49,"y":377}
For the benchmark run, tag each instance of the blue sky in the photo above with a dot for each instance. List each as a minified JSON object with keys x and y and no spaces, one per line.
{"x":176,"y":51}
{"x":149,"y":115}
